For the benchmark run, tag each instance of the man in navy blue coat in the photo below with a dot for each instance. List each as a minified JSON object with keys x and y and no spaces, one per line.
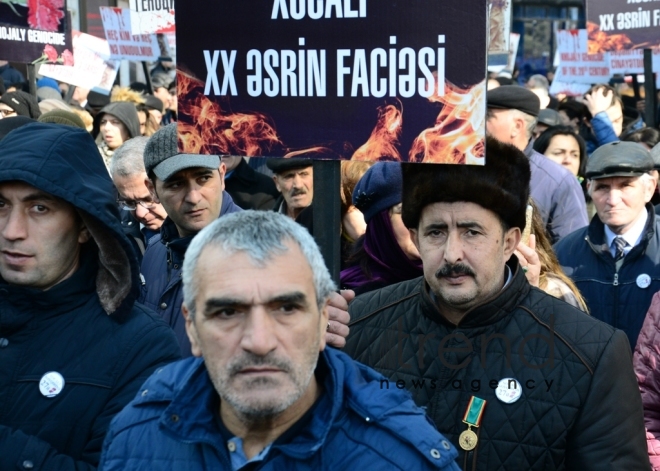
{"x":264,"y":391}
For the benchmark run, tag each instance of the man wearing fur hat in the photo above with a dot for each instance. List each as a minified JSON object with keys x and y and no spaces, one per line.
{"x":511,"y":118}
{"x":516,"y":378}
{"x":74,"y":345}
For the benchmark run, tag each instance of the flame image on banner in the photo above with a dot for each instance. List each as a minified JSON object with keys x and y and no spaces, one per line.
{"x":600,"y":41}
{"x":206,"y":127}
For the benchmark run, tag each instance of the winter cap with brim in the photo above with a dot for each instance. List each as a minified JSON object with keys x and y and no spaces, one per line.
{"x":514,"y":97}
{"x":501,"y":186}
{"x":154,"y":103}
{"x":549,"y":117}
{"x":284,"y":165}
{"x":67,"y":118}
{"x":619,"y":159}
{"x":7,"y":125}
{"x":162,"y":156}
{"x":378,"y":189}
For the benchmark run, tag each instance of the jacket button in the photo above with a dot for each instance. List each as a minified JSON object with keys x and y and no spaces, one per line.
{"x":163,"y":305}
{"x":27,"y":464}
{"x":446,"y":445}
{"x":435,"y":453}
{"x":175,"y":418}
{"x":4,"y":343}
{"x":231,"y":446}
{"x":145,"y":392}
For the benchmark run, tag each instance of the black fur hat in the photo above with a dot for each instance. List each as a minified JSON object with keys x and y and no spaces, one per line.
{"x":502,"y":185}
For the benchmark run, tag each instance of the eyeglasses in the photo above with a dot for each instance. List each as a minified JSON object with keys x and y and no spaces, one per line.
{"x":6,"y":113}
{"x":131,"y":205}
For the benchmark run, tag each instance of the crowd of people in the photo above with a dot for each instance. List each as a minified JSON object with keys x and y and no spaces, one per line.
{"x":161,"y":310}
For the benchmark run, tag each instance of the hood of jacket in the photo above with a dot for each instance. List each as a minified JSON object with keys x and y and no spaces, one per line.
{"x":125,"y":112}
{"x":64,"y":162}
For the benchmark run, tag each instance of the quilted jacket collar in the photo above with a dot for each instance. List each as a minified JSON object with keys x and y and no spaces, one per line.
{"x":491,"y":310}
{"x":597,"y":241}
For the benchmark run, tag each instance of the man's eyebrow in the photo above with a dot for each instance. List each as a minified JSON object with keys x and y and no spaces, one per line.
{"x":470,"y":225}
{"x":36,"y":196}
{"x":295,"y":297}
{"x":435,"y":226}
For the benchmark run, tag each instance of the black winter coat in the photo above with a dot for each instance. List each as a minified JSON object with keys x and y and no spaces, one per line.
{"x":87,"y":328}
{"x":580,"y":408}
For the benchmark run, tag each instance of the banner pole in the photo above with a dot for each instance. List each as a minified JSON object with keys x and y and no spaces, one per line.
{"x":32,"y":79}
{"x":650,"y":95}
{"x":327,"y":213}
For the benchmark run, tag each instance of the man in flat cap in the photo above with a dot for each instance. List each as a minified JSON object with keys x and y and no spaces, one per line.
{"x":615,"y":261}
{"x":514,"y":377}
{"x":294,"y":179}
{"x":511,"y":118}
{"x":191,"y":189}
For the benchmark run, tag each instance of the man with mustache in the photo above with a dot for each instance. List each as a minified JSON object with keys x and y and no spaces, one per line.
{"x":516,"y":378}
{"x":294,"y":179}
{"x":265,"y":392}
{"x":191,"y":188}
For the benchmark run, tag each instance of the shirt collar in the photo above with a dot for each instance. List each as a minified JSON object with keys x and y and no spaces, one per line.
{"x":633,"y":236}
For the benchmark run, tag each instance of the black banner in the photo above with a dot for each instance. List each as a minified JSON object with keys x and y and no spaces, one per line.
{"x":324,"y":78}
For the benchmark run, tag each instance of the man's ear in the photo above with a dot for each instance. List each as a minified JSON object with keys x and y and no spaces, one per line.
{"x":191,"y":331}
{"x":323,"y":325}
{"x":152,"y":190}
{"x":83,"y":235}
{"x":512,"y":238}
{"x":277,"y":183}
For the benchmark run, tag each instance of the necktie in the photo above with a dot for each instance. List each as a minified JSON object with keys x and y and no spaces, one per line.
{"x":619,"y":244}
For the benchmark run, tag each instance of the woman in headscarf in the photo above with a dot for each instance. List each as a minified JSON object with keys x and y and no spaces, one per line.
{"x":385,"y":254}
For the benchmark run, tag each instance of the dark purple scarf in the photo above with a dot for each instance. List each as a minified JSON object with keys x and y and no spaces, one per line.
{"x":387,"y":261}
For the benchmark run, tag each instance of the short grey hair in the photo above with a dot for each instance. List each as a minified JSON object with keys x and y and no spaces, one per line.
{"x":538,"y":81}
{"x":530,"y":121}
{"x":261,"y":235}
{"x":127,"y":160}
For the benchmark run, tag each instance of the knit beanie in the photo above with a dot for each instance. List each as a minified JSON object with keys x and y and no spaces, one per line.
{"x":23,"y":103}
{"x":162,"y":156}
{"x":378,"y":189}
{"x":67,"y":118}
{"x":501,"y":186}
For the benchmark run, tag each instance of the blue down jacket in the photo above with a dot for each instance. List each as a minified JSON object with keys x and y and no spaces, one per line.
{"x":356,"y":425}
{"x":615,"y":296}
{"x":162,"y":287}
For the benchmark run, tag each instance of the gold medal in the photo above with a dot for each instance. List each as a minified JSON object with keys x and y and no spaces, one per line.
{"x":467,"y":440}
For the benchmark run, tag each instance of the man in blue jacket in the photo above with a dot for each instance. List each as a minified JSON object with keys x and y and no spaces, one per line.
{"x":511,"y":118}
{"x":615,"y":261}
{"x":265,"y":392}
{"x":74,"y":345}
{"x":191,"y":188}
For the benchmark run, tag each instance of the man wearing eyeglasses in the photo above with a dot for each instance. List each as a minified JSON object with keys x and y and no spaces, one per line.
{"x":141,"y":216}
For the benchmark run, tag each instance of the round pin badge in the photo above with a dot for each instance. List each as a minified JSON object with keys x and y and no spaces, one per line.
{"x":643,"y":281}
{"x":51,"y":384}
{"x":508,"y":390}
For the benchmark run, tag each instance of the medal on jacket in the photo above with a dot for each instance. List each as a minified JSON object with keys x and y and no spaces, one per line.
{"x":467,"y":440}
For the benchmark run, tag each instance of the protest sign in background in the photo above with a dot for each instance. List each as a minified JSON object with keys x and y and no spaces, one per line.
{"x":499,"y":26}
{"x":93,"y":68}
{"x":123,"y":44}
{"x":575,"y":63}
{"x":152,"y":16}
{"x":333,"y":79}
{"x":35,"y":31}
{"x":616,"y":25}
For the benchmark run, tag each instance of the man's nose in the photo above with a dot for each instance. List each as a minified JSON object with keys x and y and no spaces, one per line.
{"x":453,"y":248}
{"x":15,"y":226}
{"x":259,"y":332}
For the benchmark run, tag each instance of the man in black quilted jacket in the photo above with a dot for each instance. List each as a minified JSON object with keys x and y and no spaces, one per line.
{"x":516,"y":378}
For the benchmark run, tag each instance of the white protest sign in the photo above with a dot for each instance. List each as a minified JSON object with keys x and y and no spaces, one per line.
{"x":575,"y":62}
{"x":152,"y":16}
{"x":123,"y":44}
{"x":93,"y":69}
